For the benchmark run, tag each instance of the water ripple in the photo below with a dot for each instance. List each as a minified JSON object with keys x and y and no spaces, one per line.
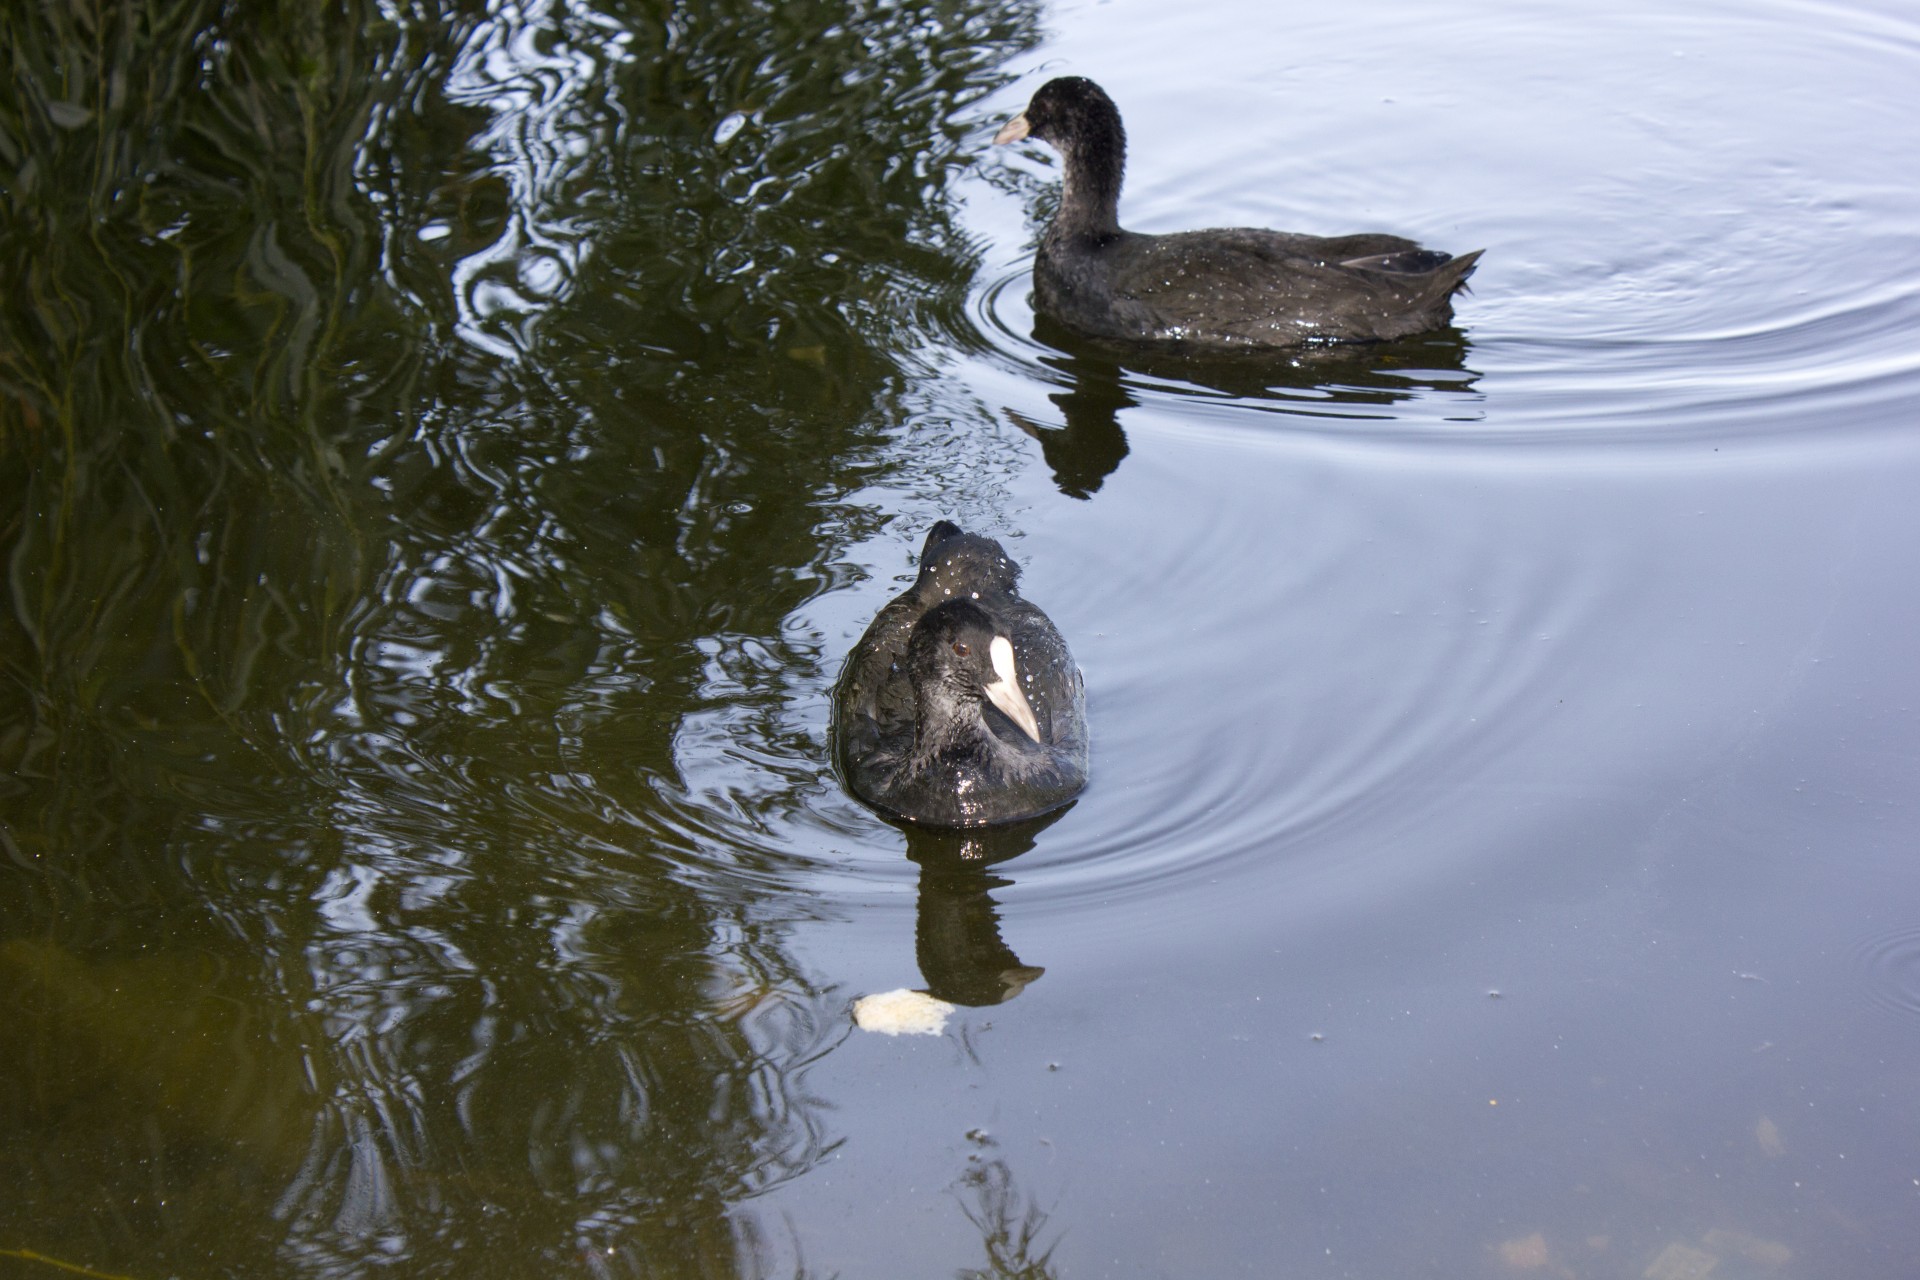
{"x":1889,"y":968}
{"x":1664,"y":285}
{"x":1424,"y":379}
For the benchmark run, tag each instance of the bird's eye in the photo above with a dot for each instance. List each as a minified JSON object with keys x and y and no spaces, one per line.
{"x":961,"y":648}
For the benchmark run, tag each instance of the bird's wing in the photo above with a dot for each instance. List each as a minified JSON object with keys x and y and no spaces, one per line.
{"x":1256,"y":283}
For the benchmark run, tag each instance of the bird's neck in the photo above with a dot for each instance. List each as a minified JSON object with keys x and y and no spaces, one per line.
{"x":1090,"y":194}
{"x":947,"y":724}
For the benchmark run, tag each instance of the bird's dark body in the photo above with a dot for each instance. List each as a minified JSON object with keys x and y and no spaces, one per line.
{"x":1244,"y":287}
{"x":910,"y":752}
{"x":1235,"y":287}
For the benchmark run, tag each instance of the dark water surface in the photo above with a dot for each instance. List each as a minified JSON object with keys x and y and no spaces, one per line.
{"x":444,"y":460}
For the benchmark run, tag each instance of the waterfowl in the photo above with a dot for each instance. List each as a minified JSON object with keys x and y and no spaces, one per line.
{"x":1227,"y":287}
{"x":961,"y":705}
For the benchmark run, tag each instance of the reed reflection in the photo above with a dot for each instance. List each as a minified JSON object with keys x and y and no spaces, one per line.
{"x":1012,"y":1224}
{"x":379,"y":598}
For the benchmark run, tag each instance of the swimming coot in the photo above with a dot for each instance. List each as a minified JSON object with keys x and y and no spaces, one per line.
{"x":961,"y":705}
{"x":1231,"y":287}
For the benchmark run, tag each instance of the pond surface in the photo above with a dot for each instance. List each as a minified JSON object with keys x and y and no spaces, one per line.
{"x":445,"y":461}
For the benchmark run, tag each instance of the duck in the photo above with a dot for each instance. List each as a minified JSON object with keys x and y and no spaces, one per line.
{"x":961,"y":705}
{"x":1235,"y":287}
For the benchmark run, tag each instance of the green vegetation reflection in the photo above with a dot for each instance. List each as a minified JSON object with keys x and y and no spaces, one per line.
{"x":414,"y":431}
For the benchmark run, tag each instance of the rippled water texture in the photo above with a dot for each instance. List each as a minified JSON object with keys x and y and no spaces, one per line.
{"x":445,"y":459}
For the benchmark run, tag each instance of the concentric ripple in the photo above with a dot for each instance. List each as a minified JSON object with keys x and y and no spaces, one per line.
{"x":1889,"y":970}
{"x":1675,"y":279}
{"x":1424,"y":380}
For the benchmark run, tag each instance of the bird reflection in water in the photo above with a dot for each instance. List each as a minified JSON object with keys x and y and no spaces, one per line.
{"x":956,"y":935}
{"x":1347,"y":380}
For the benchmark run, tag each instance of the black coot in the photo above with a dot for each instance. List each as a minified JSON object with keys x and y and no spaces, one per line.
{"x":1232,"y":287}
{"x":961,"y":705}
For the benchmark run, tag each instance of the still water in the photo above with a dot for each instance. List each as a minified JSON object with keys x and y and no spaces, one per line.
{"x":446,"y":458}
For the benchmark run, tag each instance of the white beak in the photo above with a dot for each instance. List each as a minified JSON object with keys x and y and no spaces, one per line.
{"x":1004,"y":692}
{"x":1013,"y":130}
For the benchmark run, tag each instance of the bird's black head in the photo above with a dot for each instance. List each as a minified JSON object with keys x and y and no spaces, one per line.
{"x":1079,"y":119}
{"x":1070,"y":112}
{"x":953,"y":643}
{"x":956,"y":656}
